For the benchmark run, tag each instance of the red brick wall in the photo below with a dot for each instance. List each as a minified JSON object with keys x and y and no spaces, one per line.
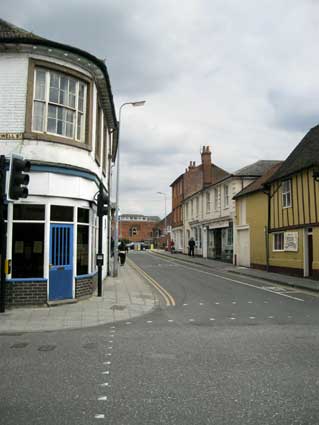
{"x":144,"y":230}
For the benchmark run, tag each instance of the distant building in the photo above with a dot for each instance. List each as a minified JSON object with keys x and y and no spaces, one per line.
{"x":163,"y":234}
{"x":137,"y":227}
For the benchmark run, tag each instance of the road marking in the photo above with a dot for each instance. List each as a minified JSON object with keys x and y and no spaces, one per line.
{"x":234,"y":302}
{"x":169,"y":300}
{"x":99,"y":416}
{"x":232,"y":318}
{"x":211,"y":318}
{"x":270,"y":317}
{"x":102,"y":398}
{"x":149,"y":321}
{"x":185,"y":305}
{"x":201,"y":303}
{"x":217,"y":303}
{"x":109,"y":348}
{"x":191,"y":320}
{"x":106,"y":372}
{"x":106,"y":362}
{"x":128,"y":323}
{"x":105,"y":384}
{"x":237,"y":281}
{"x":252,"y":317}
{"x":170,"y":320}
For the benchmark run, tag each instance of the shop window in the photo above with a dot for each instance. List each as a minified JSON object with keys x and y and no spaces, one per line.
{"x":28,"y":212}
{"x":61,"y":213}
{"x":278,"y":241}
{"x":83,"y":215}
{"x":27,"y":250}
{"x":82,"y":260}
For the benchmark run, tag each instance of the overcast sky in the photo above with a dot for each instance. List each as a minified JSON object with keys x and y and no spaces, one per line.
{"x":240,"y":76}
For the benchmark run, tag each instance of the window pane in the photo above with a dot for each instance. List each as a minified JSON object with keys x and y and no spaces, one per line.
{"x":28,"y":212}
{"x":79,"y":126}
{"x":27,"y":250}
{"x":52,"y":111}
{"x":82,"y":260}
{"x":38,"y":116}
{"x":72,"y":93}
{"x":61,"y":213}
{"x":40,"y":84}
{"x":83,"y":215}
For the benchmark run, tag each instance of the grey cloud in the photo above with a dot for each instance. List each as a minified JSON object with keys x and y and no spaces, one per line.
{"x":294,"y":112}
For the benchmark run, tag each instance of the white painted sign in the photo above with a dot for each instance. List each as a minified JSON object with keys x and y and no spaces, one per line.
{"x":291,"y":241}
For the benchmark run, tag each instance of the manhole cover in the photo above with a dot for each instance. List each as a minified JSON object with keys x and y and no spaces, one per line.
{"x":19,"y":345}
{"x":46,"y":347}
{"x":118,"y":307}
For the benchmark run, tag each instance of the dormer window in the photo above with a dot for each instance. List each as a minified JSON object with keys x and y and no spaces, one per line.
{"x":286,"y":193}
{"x":58,"y":106}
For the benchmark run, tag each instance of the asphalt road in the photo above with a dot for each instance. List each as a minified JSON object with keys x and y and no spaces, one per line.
{"x":232,"y":351}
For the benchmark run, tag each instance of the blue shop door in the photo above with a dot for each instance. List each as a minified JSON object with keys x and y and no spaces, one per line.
{"x":61,"y":262}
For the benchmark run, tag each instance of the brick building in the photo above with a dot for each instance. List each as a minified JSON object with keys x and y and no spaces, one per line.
{"x":137,"y":227}
{"x":192,"y":181}
{"x":162,"y":237}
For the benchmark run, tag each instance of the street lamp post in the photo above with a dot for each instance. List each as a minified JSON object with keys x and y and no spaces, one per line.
{"x":164,"y":194}
{"x":116,"y":238}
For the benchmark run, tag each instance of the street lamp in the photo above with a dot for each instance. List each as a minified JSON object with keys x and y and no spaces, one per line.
{"x":164,"y":194}
{"x":116,"y":239}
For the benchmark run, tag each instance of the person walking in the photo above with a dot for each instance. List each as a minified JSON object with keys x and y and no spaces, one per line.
{"x":122,"y":252}
{"x":191,"y":247}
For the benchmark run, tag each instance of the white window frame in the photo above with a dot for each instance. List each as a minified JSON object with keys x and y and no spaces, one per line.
{"x":286,"y":194}
{"x":207,"y":202}
{"x":226,"y":196}
{"x":46,"y":101}
{"x":274,"y":242}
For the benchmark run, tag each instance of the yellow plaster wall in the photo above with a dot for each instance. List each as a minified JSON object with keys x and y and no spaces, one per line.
{"x":287,"y":259}
{"x":257,"y":216}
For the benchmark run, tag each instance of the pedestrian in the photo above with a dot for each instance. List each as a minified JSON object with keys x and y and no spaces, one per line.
{"x":191,"y":247}
{"x":172,"y":244}
{"x":112,"y":247}
{"x":122,"y":252}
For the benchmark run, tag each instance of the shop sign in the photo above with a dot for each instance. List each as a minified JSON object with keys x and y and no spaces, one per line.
{"x":291,"y":241}
{"x":219,"y":225}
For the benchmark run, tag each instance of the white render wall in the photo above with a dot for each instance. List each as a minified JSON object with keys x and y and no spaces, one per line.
{"x":13,"y":92}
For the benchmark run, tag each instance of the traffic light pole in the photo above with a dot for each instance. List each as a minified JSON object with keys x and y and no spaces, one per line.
{"x":2,"y":233}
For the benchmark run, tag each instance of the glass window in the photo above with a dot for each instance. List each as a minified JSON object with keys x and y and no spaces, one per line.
{"x":216,"y":198}
{"x":207,"y":202}
{"x":82,"y":260}
{"x":28,"y":212}
{"x":83,"y":215}
{"x":286,"y":193}
{"x":27,"y":250}
{"x":61,"y":213}
{"x":226,"y":197}
{"x":58,"y":111}
{"x":278,"y":241}
{"x":230,"y":236}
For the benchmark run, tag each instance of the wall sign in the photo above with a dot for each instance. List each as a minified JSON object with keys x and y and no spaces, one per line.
{"x":291,"y":241}
{"x":11,"y":136}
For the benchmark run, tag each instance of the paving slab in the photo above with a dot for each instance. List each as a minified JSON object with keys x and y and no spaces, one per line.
{"x":127,"y":296}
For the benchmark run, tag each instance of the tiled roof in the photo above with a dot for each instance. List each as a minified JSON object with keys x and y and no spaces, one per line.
{"x":256,"y":169}
{"x":258,"y":184}
{"x":9,"y":31}
{"x":305,"y":155}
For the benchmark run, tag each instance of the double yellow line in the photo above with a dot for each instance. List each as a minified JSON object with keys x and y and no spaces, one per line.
{"x":169,"y":300}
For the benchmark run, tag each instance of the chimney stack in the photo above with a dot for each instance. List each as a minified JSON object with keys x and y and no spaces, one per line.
{"x":206,"y":165}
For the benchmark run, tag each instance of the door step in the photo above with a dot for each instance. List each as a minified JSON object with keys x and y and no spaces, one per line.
{"x":61,"y":302}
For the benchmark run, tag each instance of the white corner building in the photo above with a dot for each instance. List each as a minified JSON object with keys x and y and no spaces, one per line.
{"x":57,"y":111}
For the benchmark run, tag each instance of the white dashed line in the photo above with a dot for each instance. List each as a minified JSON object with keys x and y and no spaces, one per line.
{"x":191,"y":320}
{"x":185,"y":305}
{"x":102,"y":398}
{"x":216,"y":303}
{"x":232,"y":318}
{"x":201,"y":303}
{"x":105,"y":384}
{"x":234,"y":302}
{"x":149,"y":321}
{"x":106,"y":372}
{"x":270,"y":317}
{"x":99,"y":416}
{"x":250,"y":302}
{"x":252,"y":317}
{"x":170,"y":320}
{"x":106,"y":362}
{"x":211,"y":318}
{"x":112,"y":327}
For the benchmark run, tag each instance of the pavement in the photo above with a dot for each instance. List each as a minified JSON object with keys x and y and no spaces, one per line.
{"x":124,"y":298}
{"x":277,"y":278}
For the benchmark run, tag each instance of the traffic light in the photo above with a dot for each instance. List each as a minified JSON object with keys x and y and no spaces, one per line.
{"x":18,"y":180}
{"x":102,"y":200}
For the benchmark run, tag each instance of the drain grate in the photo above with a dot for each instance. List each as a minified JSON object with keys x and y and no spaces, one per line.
{"x":46,"y":347}
{"x":19,"y":345}
{"x":90,"y":345}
